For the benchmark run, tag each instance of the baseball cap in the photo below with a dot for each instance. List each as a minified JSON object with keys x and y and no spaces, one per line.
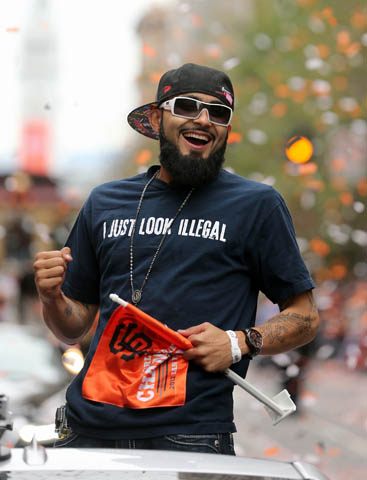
{"x":187,"y":78}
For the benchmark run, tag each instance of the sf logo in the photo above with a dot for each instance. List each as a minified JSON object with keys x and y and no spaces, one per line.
{"x":128,"y":342}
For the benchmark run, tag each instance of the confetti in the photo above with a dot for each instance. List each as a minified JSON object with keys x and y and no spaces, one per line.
{"x":358,"y":19}
{"x":320,"y":247}
{"x":282,"y":91}
{"x":338,"y":272}
{"x":197,"y":21}
{"x":362,"y":186}
{"x":279,"y":109}
{"x":235,"y":137}
{"x":272,"y":451}
{"x":343,"y":39}
{"x":155,"y":77}
{"x":346,"y":198}
{"x":149,"y":51}
{"x":143,"y":157}
{"x":333,"y":452}
{"x":308,"y":168}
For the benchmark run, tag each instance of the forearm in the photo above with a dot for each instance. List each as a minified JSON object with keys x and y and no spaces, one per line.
{"x":294,"y":326}
{"x":286,"y":331}
{"x":68,"y":319}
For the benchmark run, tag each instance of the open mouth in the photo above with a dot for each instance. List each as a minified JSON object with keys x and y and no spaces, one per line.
{"x":197,"y":139}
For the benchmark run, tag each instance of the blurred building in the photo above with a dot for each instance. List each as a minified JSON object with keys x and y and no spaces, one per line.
{"x":38,"y":87}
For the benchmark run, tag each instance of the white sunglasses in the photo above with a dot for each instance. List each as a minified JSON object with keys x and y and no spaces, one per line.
{"x":187,"y":107}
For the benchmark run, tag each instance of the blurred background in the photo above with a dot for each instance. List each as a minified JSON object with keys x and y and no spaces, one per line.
{"x":70,"y":73}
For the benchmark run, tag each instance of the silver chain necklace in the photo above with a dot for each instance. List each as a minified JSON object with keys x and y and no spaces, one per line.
{"x":137,"y":293}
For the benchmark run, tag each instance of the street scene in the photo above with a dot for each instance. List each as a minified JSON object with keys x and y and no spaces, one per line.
{"x":287,"y":124}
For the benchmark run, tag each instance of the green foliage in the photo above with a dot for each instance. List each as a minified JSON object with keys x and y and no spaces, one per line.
{"x":301,"y":72}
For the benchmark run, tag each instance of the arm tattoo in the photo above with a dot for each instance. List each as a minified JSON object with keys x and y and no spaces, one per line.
{"x":279,"y":327}
{"x":69,"y":309}
{"x":285,"y":323}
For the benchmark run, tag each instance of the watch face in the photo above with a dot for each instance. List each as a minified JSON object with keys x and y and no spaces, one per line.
{"x":256,"y":339}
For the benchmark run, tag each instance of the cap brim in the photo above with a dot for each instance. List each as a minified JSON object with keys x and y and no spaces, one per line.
{"x":138,"y":119}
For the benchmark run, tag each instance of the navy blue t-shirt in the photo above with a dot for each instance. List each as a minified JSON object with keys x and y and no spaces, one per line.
{"x":234,"y":238}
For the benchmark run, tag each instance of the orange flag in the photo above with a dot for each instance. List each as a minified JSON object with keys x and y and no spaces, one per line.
{"x":138,"y":363}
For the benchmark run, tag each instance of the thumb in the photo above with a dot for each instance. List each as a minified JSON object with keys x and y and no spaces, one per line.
{"x":66,"y":254}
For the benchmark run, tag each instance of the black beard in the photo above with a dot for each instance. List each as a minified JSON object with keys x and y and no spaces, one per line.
{"x":189,"y":170}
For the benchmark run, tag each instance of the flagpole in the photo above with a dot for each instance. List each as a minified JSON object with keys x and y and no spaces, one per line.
{"x":117,"y":299}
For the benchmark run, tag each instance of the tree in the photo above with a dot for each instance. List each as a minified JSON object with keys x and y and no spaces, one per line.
{"x":298,"y":70}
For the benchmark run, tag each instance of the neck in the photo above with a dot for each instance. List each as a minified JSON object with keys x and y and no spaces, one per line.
{"x":164,"y":175}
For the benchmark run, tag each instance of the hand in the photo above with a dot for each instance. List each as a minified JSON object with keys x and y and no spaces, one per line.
{"x":212,"y":347}
{"x":49,"y":272}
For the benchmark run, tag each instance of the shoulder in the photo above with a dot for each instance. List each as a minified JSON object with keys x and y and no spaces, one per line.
{"x":248,"y":190}
{"x":117,"y":185}
{"x":108,"y":194}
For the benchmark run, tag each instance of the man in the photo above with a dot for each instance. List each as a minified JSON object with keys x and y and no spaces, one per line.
{"x":191,"y":245}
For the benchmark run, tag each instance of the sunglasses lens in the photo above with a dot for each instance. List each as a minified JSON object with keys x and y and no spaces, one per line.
{"x":219,"y":114}
{"x":186,"y":107}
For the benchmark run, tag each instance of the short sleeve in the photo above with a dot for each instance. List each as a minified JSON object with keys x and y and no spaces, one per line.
{"x":279,"y":268}
{"x":82,"y":275}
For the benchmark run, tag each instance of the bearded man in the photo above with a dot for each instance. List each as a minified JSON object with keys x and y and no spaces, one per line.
{"x":192,"y":245}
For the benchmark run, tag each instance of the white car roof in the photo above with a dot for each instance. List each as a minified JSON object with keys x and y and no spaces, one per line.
{"x":110,"y":464}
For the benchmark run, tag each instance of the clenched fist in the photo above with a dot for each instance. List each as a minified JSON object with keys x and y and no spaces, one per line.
{"x":49,"y":271}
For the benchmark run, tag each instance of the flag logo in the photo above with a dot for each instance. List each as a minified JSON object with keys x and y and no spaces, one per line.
{"x":138,"y":363}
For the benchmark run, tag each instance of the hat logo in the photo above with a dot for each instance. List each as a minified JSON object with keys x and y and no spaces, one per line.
{"x":228,"y":96}
{"x":167,"y":89}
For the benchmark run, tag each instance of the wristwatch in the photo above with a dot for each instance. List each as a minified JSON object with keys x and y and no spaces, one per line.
{"x":254,"y":341}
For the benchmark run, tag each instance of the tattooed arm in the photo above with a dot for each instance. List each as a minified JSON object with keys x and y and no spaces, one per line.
{"x":68,"y":319}
{"x":295,"y":325}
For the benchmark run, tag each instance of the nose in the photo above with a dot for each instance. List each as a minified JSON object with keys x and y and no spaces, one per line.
{"x":203,"y":118}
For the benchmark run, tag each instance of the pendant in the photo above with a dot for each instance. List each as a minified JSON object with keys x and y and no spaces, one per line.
{"x":136,"y":296}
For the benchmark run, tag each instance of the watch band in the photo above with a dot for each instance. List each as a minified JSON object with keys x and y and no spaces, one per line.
{"x":235,"y":349}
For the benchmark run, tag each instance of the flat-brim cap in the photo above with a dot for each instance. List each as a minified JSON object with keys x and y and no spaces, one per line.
{"x":188,"y":78}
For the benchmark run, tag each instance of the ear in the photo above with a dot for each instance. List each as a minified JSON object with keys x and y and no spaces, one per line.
{"x":155,"y":119}
{"x":229,"y":129}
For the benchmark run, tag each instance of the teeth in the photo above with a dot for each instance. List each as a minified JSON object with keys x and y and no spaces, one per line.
{"x":198,"y":136}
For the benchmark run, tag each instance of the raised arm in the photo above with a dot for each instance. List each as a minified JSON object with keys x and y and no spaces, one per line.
{"x":68,"y":319}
